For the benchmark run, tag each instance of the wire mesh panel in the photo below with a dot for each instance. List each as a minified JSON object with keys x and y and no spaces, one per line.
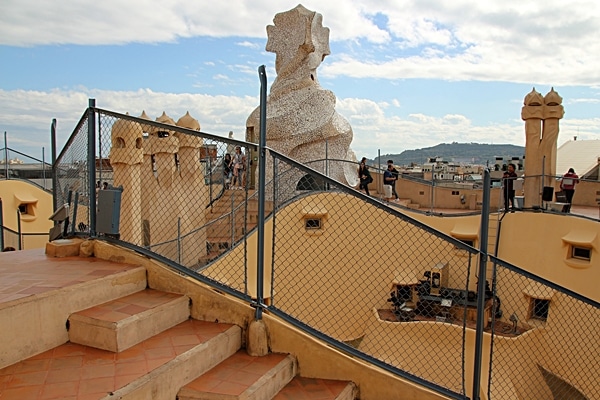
{"x":368,"y":276}
{"x":72,"y":177}
{"x":178,"y":192}
{"x":545,"y":343}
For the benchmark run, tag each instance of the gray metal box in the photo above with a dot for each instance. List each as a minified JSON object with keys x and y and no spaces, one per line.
{"x":109,"y":210}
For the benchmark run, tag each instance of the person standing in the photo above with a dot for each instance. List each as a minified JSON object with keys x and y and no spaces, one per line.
{"x":363,"y":162}
{"x":509,"y":192}
{"x":364,"y":175}
{"x":239,"y":160}
{"x":389,"y":181}
{"x":227,"y":169}
{"x":567,"y":185}
{"x":395,"y":174}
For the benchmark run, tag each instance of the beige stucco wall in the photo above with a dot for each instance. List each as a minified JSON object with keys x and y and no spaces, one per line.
{"x":518,"y":244}
{"x":13,"y":193}
{"x":211,"y":305}
{"x":443,"y":197}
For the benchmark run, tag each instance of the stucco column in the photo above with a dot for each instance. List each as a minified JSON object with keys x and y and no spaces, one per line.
{"x":553,"y":111}
{"x":126,"y":157}
{"x":533,"y":113}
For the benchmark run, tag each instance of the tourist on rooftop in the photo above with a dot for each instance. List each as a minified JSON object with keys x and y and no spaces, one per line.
{"x":567,"y":185}
{"x":394,"y":173}
{"x":508,"y":180}
{"x":364,"y":176}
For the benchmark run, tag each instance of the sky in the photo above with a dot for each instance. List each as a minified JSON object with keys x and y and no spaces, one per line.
{"x":406,"y":74}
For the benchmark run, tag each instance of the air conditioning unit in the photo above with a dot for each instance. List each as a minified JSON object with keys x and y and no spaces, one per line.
{"x":438,"y":278}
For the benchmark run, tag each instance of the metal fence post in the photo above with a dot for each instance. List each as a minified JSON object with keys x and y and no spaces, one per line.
{"x":92,"y":165}
{"x":1,"y":225}
{"x":260,"y":273}
{"x":485,"y":220}
{"x":5,"y":157}
{"x":20,"y":234}
{"x":54,"y":171}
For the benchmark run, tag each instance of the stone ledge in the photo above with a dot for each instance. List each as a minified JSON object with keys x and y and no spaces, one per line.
{"x":63,"y":248}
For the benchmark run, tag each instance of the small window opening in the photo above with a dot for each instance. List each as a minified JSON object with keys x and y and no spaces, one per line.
{"x":312,"y":223}
{"x":539,"y":309}
{"x":581,"y":253}
{"x":470,"y":242}
{"x":23,"y":209}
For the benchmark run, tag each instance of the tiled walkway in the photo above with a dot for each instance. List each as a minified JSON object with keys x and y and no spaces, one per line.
{"x":72,"y":371}
{"x":25,"y":273}
{"x":235,"y":375}
{"x":125,"y":307}
{"x":311,"y":389}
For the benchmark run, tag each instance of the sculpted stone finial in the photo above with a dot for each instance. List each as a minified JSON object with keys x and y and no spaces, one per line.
{"x":552,"y":98}
{"x":187,"y":121}
{"x":301,"y":119}
{"x":541,"y":116}
{"x":533,"y":98}
{"x":300,"y":43}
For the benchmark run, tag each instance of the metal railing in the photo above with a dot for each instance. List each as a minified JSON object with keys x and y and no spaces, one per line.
{"x":347,"y":268}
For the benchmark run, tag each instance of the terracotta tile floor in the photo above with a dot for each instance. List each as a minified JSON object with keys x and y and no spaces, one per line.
{"x":29,"y":272}
{"x":81,"y":372}
{"x":127,"y":306}
{"x":236,"y":374}
{"x":73,"y":371}
{"x":311,"y":389}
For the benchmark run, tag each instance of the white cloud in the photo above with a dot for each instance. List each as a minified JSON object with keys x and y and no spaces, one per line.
{"x":392,"y":133}
{"x":375,"y":126}
{"x":216,"y":114}
{"x":511,"y":41}
{"x":248,"y":44}
{"x":546,"y":43}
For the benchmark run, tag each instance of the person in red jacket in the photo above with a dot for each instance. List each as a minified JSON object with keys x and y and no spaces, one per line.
{"x":567,"y":185}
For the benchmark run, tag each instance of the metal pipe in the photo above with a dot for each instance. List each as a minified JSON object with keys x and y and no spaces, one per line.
{"x":179,"y":240}
{"x":260,"y":273}
{"x":485,"y":220}
{"x":1,"y":225}
{"x":75,"y":203}
{"x":54,"y":169}
{"x":5,"y":157}
{"x":19,"y":233}
{"x":91,"y":156}
{"x":44,"y":167}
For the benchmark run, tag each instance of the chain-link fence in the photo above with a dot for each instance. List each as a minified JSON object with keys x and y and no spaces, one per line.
{"x":162,"y":186}
{"x":349,"y":268}
{"x":17,"y":165}
{"x":545,"y":341}
{"x":368,"y":276}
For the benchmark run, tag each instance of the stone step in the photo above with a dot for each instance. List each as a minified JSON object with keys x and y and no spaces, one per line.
{"x":153,"y":369}
{"x":122,"y":323}
{"x":317,"y":389}
{"x":38,"y":319}
{"x":242,"y":376}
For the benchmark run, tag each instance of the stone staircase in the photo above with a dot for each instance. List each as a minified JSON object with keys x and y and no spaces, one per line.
{"x":408,"y":204}
{"x":226,"y":213}
{"x":133,"y":342}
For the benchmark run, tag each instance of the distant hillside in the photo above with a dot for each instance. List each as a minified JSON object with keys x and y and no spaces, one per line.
{"x":472,"y":153}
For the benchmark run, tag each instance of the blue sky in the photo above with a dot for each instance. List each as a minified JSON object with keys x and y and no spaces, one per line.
{"x":407,"y":74}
